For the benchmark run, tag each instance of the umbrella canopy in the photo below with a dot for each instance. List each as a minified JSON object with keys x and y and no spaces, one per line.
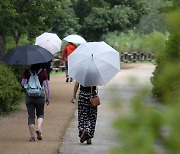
{"x":26,"y":55}
{"x":93,"y":64}
{"x":74,"y":39}
{"x":49,"y":41}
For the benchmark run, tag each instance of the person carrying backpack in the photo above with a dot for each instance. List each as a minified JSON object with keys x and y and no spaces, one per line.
{"x":35,"y":81}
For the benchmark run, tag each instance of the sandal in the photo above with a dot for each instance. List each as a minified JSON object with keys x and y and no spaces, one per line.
{"x":84,"y":136}
{"x":89,"y":141}
{"x":39,"y":134}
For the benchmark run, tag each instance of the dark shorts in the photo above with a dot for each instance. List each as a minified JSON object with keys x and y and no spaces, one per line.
{"x":35,"y":105}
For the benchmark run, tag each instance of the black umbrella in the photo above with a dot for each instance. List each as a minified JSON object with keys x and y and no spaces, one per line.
{"x":26,"y":55}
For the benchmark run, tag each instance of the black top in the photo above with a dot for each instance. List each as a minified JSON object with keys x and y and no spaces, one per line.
{"x":47,"y":66}
{"x":87,"y":89}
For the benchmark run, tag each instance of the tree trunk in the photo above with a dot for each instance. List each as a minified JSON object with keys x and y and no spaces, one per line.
{"x":2,"y":45}
{"x":17,"y":37}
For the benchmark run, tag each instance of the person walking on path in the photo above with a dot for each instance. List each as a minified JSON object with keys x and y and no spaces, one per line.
{"x":36,"y":104}
{"x":47,"y":67}
{"x":68,"y":49}
{"x":87,"y":115}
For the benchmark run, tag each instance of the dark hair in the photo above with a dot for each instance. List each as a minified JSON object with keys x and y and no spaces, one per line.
{"x":35,"y":67}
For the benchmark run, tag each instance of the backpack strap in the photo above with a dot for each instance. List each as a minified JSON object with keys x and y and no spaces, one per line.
{"x":36,"y":73}
{"x":30,"y":72}
{"x":39,"y":71}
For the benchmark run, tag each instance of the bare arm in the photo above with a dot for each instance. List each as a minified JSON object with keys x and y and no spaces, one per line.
{"x":47,"y":93}
{"x":23,"y":81}
{"x":76,"y":87}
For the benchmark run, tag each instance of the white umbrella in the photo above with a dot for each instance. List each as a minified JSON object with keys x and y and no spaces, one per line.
{"x":49,"y":41}
{"x":75,"y":39}
{"x":93,"y":64}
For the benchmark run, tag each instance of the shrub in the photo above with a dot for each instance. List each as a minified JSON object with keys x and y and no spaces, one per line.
{"x":10,"y":43}
{"x":10,"y":90}
{"x":154,"y":42}
{"x":18,"y":71}
{"x":148,"y":130}
{"x":166,"y":75}
{"x":136,"y":41}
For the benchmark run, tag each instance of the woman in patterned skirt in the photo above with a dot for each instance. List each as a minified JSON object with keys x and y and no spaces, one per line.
{"x":87,"y":115}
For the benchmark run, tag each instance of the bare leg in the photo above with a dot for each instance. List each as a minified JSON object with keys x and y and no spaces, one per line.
{"x":39,"y":123}
{"x":40,"y":116}
{"x":31,"y":130}
{"x":38,"y":130}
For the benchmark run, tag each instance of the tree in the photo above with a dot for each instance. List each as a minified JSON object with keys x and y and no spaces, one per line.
{"x":166,"y":78}
{"x":30,"y":18}
{"x":83,"y":8}
{"x":33,"y":17}
{"x":109,"y":16}
{"x":154,"y":20}
{"x":64,"y":20}
{"x":21,"y":17}
{"x":7,"y":12}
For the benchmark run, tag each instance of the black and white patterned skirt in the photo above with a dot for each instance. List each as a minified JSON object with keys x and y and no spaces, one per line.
{"x":87,"y":115}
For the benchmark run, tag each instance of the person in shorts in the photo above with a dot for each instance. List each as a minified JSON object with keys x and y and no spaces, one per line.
{"x":35,"y":105}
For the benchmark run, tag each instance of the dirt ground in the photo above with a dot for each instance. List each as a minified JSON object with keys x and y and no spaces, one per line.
{"x":14,"y":133}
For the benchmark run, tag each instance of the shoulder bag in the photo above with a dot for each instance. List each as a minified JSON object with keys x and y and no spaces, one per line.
{"x":95,"y":101}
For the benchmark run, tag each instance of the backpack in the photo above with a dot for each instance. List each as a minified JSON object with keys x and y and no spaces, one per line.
{"x":33,"y":87}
